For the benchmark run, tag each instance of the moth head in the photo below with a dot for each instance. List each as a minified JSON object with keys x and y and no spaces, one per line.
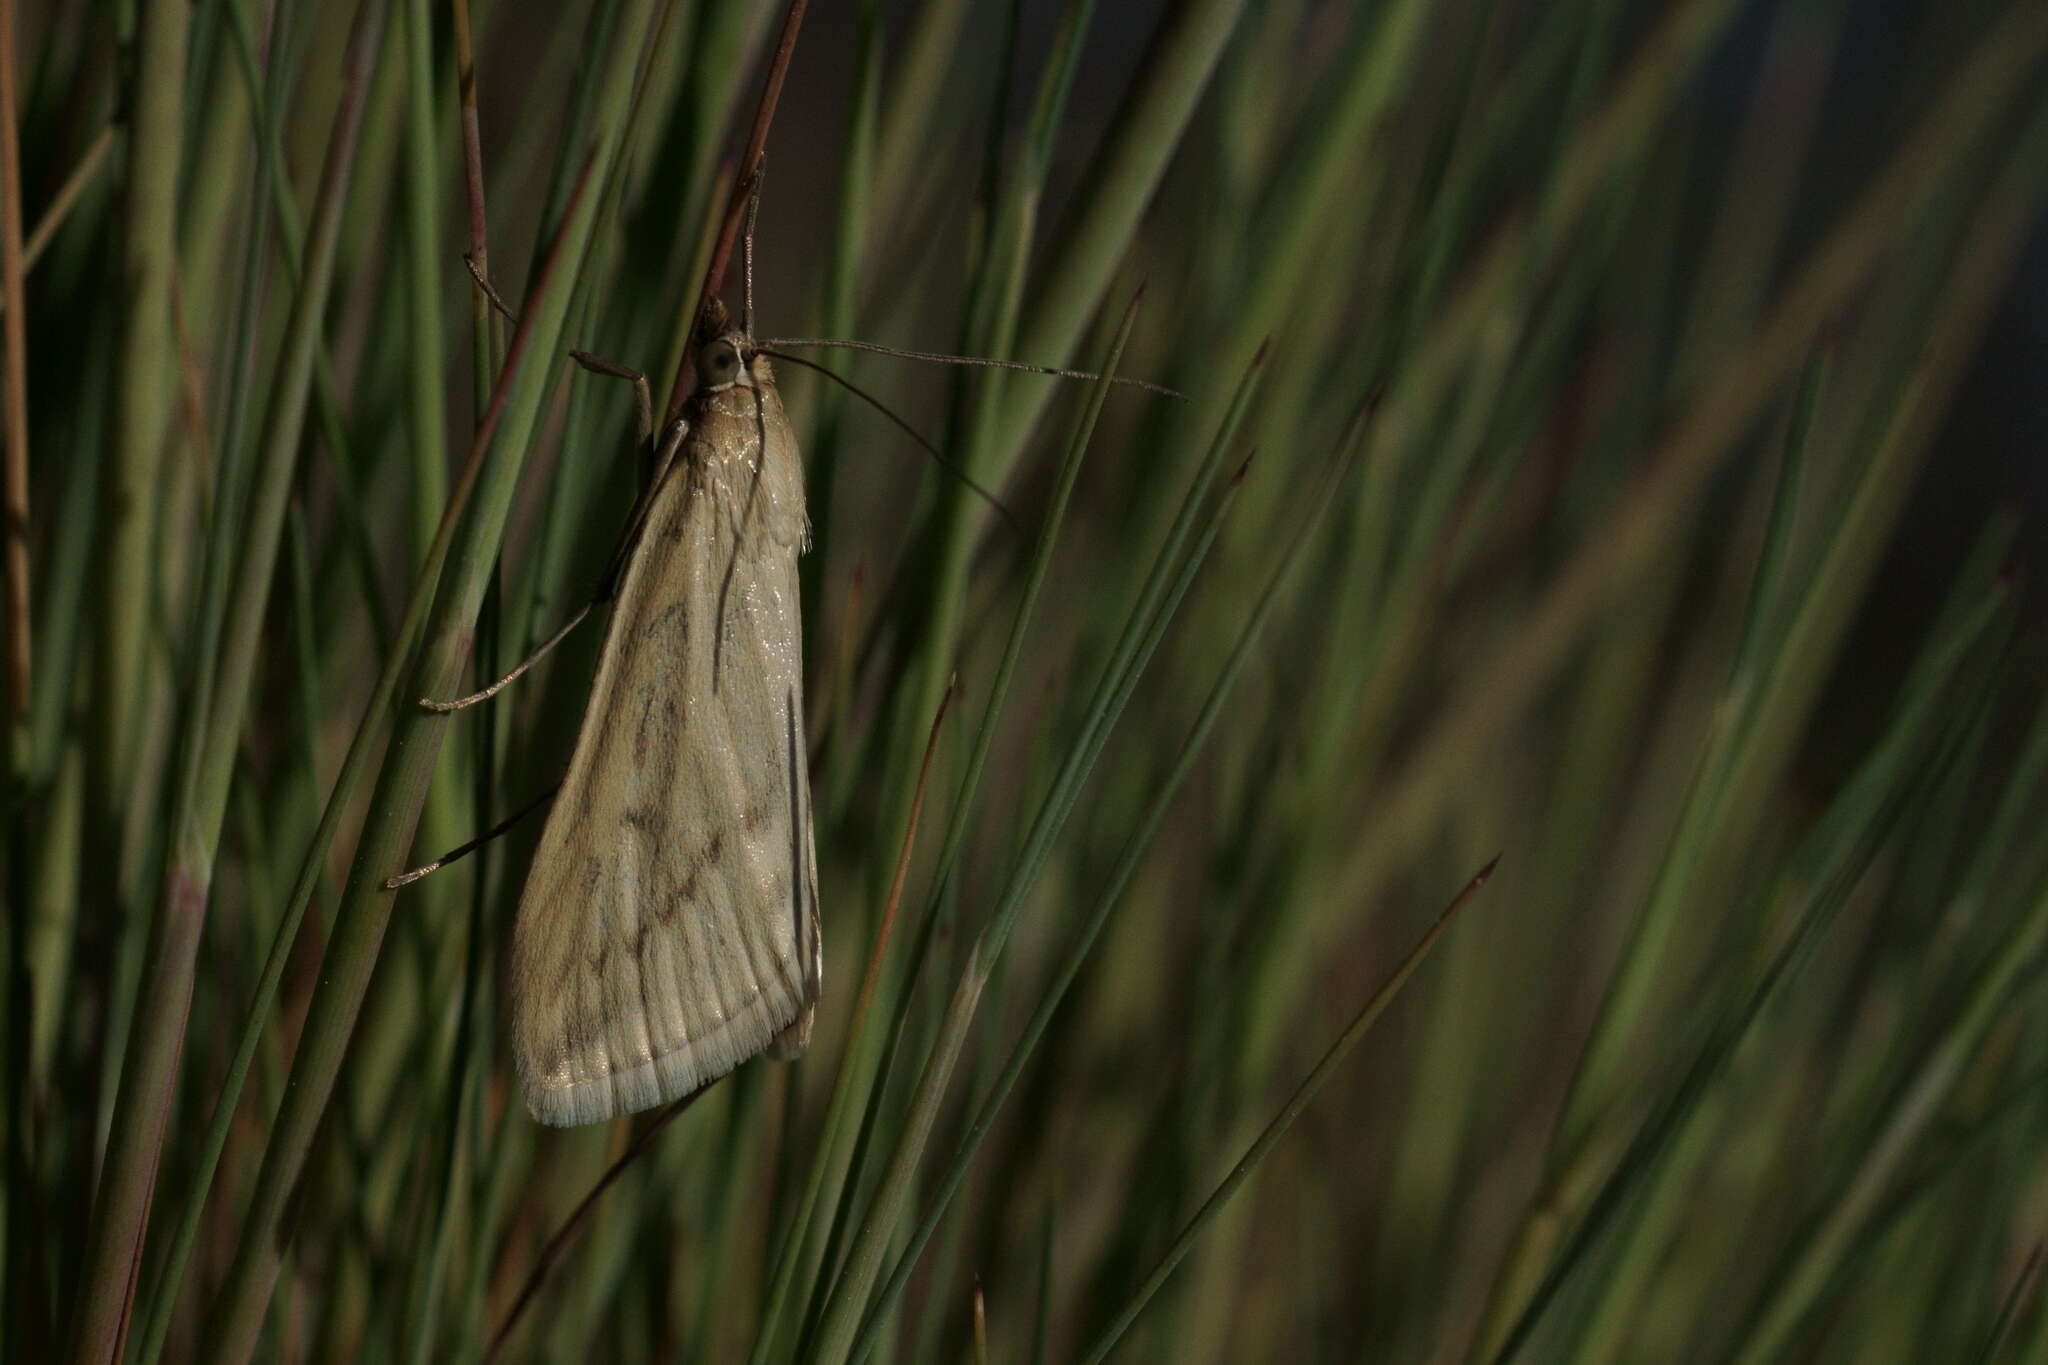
{"x":721,"y":362}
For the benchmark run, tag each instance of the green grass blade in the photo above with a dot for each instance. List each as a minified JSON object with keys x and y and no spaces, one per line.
{"x":148,"y":384}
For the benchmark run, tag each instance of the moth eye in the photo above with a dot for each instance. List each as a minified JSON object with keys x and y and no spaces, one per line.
{"x":718,"y":362}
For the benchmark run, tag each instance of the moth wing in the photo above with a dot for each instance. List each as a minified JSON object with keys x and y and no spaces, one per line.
{"x":669,"y":928}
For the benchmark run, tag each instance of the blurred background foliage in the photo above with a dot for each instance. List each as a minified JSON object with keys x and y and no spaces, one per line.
{"x":1612,"y":441}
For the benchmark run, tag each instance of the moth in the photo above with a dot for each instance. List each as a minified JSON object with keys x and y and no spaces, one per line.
{"x":669,"y":926}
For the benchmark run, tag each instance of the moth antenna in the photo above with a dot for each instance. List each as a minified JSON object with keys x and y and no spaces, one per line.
{"x":940,"y":359}
{"x":912,"y":432}
{"x":747,"y":246}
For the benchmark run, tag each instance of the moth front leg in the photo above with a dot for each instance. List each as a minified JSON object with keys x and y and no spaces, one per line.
{"x":659,"y":457}
{"x":644,"y":395}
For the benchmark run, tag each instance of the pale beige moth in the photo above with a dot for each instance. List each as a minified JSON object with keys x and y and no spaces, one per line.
{"x":668,"y":930}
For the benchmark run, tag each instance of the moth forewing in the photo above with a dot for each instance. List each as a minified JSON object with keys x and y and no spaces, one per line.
{"x":669,"y":926}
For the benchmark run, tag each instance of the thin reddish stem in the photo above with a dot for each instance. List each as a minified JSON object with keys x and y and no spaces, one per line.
{"x":559,"y":1243}
{"x":895,"y":900}
{"x":736,"y":206}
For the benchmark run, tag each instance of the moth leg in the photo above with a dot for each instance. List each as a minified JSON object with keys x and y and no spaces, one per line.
{"x":431,"y":704}
{"x":490,"y":292}
{"x":464,"y":850}
{"x":641,"y":392}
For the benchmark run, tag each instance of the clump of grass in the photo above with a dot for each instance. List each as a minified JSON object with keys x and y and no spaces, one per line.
{"x":1544,"y":445}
